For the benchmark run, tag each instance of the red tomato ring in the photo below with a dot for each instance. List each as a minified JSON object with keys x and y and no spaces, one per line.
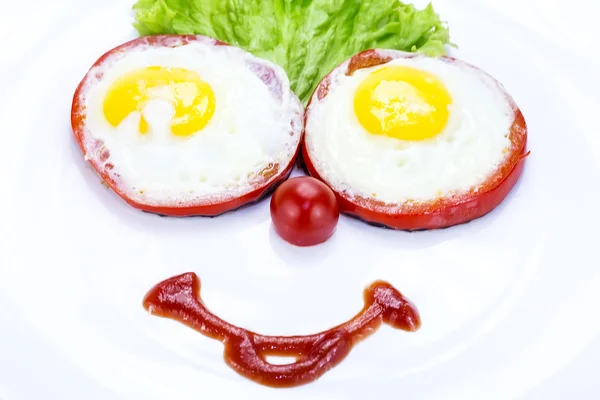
{"x":265,"y":182}
{"x":442,"y":212}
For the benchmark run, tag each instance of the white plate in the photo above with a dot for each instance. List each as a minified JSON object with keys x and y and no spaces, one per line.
{"x":509,"y":302}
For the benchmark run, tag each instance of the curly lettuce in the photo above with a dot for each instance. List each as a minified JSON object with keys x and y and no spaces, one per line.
{"x":307,"y":38}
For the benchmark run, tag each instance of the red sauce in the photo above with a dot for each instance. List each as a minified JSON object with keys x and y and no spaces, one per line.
{"x":178,"y":298}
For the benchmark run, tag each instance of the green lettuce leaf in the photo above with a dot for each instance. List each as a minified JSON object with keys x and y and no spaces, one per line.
{"x":307,"y":38}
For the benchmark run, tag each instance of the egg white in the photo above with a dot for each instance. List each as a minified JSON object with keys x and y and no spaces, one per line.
{"x":255,"y":125}
{"x":472,"y":146}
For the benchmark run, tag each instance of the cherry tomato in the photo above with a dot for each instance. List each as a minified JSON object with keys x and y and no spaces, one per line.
{"x":304,"y":211}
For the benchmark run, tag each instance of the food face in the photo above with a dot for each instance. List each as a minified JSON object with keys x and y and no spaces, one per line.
{"x":179,"y":124}
{"x":411,"y":135}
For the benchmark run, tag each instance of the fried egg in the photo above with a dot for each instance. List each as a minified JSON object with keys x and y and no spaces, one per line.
{"x":187,"y":125}
{"x":411,"y":134}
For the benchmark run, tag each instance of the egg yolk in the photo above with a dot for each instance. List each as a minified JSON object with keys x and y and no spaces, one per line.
{"x":403,"y":103}
{"x":193,"y":99}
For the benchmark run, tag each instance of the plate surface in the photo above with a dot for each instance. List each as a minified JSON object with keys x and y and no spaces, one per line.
{"x":508,"y":302}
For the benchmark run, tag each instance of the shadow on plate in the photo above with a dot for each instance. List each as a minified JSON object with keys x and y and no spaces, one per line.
{"x":369,"y":234}
{"x":244,"y":217}
{"x":363,"y":234}
{"x":303,"y":257}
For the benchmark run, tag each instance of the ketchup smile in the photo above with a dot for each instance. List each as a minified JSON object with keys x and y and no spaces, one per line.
{"x":178,"y":298}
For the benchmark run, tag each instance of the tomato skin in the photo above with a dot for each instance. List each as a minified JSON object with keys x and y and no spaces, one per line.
{"x":206,"y":207}
{"x":304,"y":211}
{"x":444,"y":212}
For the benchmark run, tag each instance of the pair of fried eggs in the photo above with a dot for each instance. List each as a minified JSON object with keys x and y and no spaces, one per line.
{"x":176,"y":122}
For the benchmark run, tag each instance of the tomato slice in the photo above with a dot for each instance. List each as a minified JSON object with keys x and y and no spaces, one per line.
{"x":443,"y":212}
{"x":97,"y":156}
